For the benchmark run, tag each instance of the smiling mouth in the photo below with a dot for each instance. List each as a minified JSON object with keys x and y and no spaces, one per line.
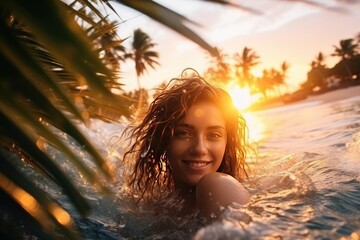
{"x":196,"y":164}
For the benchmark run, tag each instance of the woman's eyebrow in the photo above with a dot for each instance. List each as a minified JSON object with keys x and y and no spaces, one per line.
{"x":214,"y":127}
{"x":184,"y":125}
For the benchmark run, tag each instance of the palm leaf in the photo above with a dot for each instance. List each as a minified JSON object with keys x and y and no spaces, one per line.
{"x":34,"y":201}
{"x":44,"y":164}
{"x":30,"y":89}
{"x":169,"y":18}
{"x":15,"y":52}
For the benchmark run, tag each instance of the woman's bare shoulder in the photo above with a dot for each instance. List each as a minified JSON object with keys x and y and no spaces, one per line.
{"x":217,"y":190}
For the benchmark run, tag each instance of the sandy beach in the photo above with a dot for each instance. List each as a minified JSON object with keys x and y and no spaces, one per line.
{"x":335,"y":95}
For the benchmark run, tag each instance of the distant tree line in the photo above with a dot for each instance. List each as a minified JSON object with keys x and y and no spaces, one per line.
{"x":271,"y":83}
{"x":238,"y":69}
{"x":346,"y":72}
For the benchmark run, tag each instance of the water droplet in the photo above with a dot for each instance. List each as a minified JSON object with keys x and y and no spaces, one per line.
{"x":143,"y":154}
{"x":212,"y":215}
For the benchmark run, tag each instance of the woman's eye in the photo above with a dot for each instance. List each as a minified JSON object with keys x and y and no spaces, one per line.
{"x":182,"y":134}
{"x":214,"y":135}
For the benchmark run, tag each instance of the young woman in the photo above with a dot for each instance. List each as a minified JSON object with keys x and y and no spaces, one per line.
{"x":192,"y":143}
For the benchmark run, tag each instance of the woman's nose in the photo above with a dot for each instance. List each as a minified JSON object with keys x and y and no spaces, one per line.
{"x":199,"y":146}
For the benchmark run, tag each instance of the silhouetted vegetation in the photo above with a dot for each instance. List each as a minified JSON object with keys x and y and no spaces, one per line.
{"x":320,"y":78}
{"x":344,"y":73}
{"x":238,"y":69}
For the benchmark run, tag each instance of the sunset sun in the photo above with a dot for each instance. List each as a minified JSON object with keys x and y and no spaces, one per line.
{"x":241,"y":97}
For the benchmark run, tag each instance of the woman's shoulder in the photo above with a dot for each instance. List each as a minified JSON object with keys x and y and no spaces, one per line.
{"x":218,"y":190}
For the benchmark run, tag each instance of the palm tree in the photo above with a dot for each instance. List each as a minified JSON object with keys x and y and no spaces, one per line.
{"x":346,"y":51}
{"x":245,"y":62}
{"x":319,"y":60}
{"x":159,"y":89}
{"x":276,"y":79}
{"x":263,"y":84}
{"x":219,"y":70}
{"x":143,"y":56}
{"x":138,"y":94}
{"x":112,"y":49}
{"x":317,"y":76}
{"x":284,"y":68}
{"x":283,"y":74}
{"x":142,"y":53}
{"x":319,"y":71}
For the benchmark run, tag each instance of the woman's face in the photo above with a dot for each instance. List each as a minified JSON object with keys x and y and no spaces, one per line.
{"x":198,"y":145}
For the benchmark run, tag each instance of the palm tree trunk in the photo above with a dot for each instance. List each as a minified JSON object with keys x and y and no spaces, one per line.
{"x":141,"y":96}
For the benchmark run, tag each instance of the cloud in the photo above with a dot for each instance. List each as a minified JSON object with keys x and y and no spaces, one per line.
{"x":231,"y":24}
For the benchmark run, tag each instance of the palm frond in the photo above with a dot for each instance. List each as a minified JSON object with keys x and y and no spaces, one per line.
{"x":169,"y":18}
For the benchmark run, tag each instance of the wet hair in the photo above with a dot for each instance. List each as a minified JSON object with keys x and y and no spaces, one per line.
{"x":150,"y":173}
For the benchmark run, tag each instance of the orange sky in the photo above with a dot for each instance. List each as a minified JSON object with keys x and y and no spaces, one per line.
{"x":292,"y":32}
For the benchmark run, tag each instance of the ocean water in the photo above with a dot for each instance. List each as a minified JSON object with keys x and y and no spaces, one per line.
{"x":305,"y":183}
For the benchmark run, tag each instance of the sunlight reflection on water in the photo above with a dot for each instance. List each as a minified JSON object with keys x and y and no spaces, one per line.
{"x":260,"y":123}
{"x":255,"y":125}
{"x":309,"y":127}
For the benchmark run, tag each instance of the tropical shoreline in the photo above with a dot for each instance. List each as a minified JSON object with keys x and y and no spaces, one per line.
{"x":329,"y":96}
{"x":335,"y":95}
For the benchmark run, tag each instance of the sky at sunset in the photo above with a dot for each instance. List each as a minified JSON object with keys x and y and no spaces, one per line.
{"x":284,"y":31}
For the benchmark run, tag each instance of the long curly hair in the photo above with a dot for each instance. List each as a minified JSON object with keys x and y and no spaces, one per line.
{"x":150,"y":175}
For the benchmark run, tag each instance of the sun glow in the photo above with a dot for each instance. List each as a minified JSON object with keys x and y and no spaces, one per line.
{"x":256,"y":72}
{"x":242,"y":99}
{"x":256,"y":127}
